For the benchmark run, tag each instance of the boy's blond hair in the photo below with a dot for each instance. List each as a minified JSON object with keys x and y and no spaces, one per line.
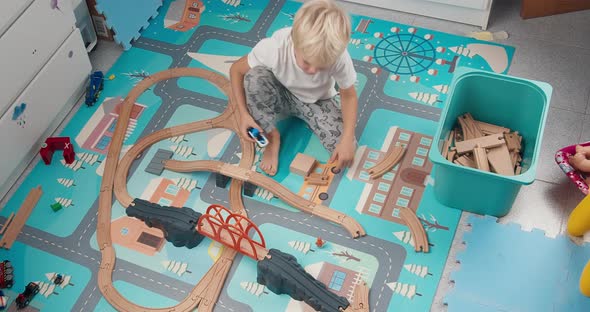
{"x":321,"y":32}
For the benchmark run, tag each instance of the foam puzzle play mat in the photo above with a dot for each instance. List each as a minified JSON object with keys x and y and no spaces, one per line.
{"x":151,"y":225}
{"x":513,"y":248}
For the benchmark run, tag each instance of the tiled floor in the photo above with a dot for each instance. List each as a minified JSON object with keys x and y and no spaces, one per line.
{"x":553,"y":49}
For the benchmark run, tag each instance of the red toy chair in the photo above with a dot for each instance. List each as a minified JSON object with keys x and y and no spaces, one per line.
{"x":57,"y":143}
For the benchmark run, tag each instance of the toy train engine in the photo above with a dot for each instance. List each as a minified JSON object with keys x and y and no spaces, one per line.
{"x":95,"y":85}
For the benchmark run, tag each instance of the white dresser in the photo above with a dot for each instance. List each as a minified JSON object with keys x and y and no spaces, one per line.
{"x":472,"y":12}
{"x":44,"y":68}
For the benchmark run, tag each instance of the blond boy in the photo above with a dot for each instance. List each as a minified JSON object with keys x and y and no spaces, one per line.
{"x":294,"y":72}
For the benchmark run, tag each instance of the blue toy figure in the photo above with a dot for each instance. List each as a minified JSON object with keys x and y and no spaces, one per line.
{"x":260,"y":139}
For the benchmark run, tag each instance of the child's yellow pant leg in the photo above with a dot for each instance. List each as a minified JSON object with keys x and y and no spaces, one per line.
{"x":585,"y":280}
{"x":579,"y":220}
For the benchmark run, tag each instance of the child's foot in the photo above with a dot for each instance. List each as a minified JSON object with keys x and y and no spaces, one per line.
{"x":270,"y":157}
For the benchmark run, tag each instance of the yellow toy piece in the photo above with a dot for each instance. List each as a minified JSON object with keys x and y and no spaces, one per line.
{"x":585,"y":280}
{"x":577,"y":225}
{"x":579,"y":220}
{"x":112,"y":76}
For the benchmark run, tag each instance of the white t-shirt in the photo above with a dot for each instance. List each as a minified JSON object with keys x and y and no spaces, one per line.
{"x":277,"y":54}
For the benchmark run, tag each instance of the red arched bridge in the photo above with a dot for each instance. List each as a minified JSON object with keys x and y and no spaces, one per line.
{"x":231,"y":229}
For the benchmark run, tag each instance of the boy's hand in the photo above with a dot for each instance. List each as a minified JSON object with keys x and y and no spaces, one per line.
{"x":247,"y":122}
{"x":344,"y":153}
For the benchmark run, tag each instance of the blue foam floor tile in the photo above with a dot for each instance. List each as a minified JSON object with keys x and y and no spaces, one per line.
{"x":508,"y":269}
{"x":128,"y":17}
{"x":573,"y":300}
{"x":459,"y":304}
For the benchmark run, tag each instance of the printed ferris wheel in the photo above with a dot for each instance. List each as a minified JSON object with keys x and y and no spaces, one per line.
{"x":404,"y":54}
{"x":407,"y":53}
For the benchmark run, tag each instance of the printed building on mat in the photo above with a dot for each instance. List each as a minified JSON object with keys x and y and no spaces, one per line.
{"x":403,"y":185}
{"x":133,"y":233}
{"x":165,"y":192}
{"x":184,"y":15}
{"x":339,"y":280}
{"x":97,"y":133}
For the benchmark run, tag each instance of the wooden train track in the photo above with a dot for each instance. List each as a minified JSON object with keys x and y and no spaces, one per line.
{"x":394,"y":155}
{"x":353,"y":227}
{"x":206,"y":292}
{"x":360,"y":299}
{"x":6,"y":223}
{"x":418,"y":234}
{"x":20,"y":218}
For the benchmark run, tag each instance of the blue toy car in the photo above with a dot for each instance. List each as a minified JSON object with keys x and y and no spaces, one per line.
{"x":94,"y":87}
{"x":260,"y":139}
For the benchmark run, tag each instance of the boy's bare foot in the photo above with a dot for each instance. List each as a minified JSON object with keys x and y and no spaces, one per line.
{"x":270,"y":157}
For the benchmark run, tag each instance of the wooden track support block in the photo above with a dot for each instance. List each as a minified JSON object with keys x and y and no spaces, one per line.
{"x":483,"y":142}
{"x":499,"y":159}
{"x":481,"y":159}
{"x":302,"y":164}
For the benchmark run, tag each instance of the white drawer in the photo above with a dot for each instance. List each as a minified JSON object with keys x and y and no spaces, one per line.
{"x":27,"y":45}
{"x":47,"y":95}
{"x":471,"y":4}
{"x":10,"y":11}
{"x":472,"y":12}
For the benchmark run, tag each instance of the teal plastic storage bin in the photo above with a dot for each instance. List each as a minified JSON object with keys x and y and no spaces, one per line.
{"x":516,"y":103}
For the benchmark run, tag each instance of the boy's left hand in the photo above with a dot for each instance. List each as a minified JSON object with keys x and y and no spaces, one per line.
{"x":343,"y":153}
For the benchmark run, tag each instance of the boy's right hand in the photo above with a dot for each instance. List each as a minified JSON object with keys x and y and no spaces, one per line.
{"x":247,"y":122}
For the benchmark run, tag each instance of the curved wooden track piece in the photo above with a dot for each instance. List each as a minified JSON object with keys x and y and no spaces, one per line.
{"x":416,"y":228}
{"x":393,"y":157}
{"x":292,"y":199}
{"x":360,"y":298}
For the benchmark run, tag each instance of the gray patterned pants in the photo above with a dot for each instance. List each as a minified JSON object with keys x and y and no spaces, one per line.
{"x":268,"y":101}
